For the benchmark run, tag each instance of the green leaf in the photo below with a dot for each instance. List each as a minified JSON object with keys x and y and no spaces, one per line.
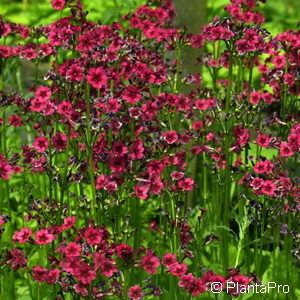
{"x":226,"y":229}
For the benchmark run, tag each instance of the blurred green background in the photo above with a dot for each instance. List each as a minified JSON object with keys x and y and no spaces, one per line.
{"x":37,"y":12}
{"x":280,"y":14}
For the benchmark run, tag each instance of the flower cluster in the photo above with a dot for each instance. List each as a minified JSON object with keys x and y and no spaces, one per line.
{"x":109,"y":141}
{"x":87,"y":256}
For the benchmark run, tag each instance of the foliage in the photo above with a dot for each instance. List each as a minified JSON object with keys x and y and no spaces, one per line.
{"x":115,"y":183}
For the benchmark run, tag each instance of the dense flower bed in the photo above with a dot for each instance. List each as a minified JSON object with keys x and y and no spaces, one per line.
{"x":136,"y":188}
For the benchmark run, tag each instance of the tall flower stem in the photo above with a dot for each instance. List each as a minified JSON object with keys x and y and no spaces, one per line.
{"x":90,"y":151}
{"x":1,"y":180}
{"x":229,"y":86}
{"x":137,"y":224}
{"x":2,"y":65}
{"x":248,"y":97}
{"x":4,"y":151}
{"x":2,"y":130}
{"x":227,"y":181}
{"x":63,"y":186}
{"x":284,"y":109}
{"x":176,"y":77}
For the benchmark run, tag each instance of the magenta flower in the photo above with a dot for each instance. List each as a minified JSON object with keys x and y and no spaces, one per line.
{"x":40,"y":144}
{"x":58,"y":4}
{"x":23,"y":235}
{"x":135,"y":292}
{"x":96,"y":77}
{"x":43,"y":237}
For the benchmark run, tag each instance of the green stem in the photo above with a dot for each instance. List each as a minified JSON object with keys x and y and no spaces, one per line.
{"x":174,"y":218}
{"x":90,"y":151}
{"x":249,"y":92}
{"x":176,"y":77}
{"x":36,"y":73}
{"x":2,"y":67}
{"x":250,"y":78}
{"x":204,"y":170}
{"x":227,"y":181}
{"x":229,"y":86}
{"x":64,"y":183}
{"x":285,"y":93}
{"x":137,"y":225}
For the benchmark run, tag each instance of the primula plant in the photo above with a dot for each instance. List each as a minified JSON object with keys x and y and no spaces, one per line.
{"x":123,"y":178}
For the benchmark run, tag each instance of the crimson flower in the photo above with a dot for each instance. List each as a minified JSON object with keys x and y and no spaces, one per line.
{"x":117,"y":164}
{"x":23,"y":235}
{"x":15,"y":120}
{"x":198,"y":287}
{"x":150,"y":262}
{"x":16,"y":258}
{"x":75,"y":73}
{"x":43,"y":237}
{"x":53,"y":276}
{"x":69,"y":222}
{"x":125,"y":252}
{"x":39,"y":274}
{"x":135,"y":292}
{"x":186,"y":281}
{"x":285,"y":150}
{"x":72,"y":249}
{"x":43,"y":93}
{"x":169,"y":260}
{"x":84,"y":273}
{"x":96,"y":77}
{"x":64,"y":108}
{"x":108,"y":268}
{"x":40,"y":144}
{"x":178,"y":269}
{"x":60,"y":141}
{"x":268,"y":188}
{"x":92,"y":236}
{"x":263,"y":140}
{"x":5,"y":169}
{"x":131,"y":94}
{"x":81,"y":289}
{"x":58,"y":4}
{"x":186,"y":184}
{"x":170,"y":137}
{"x":141,"y":191}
